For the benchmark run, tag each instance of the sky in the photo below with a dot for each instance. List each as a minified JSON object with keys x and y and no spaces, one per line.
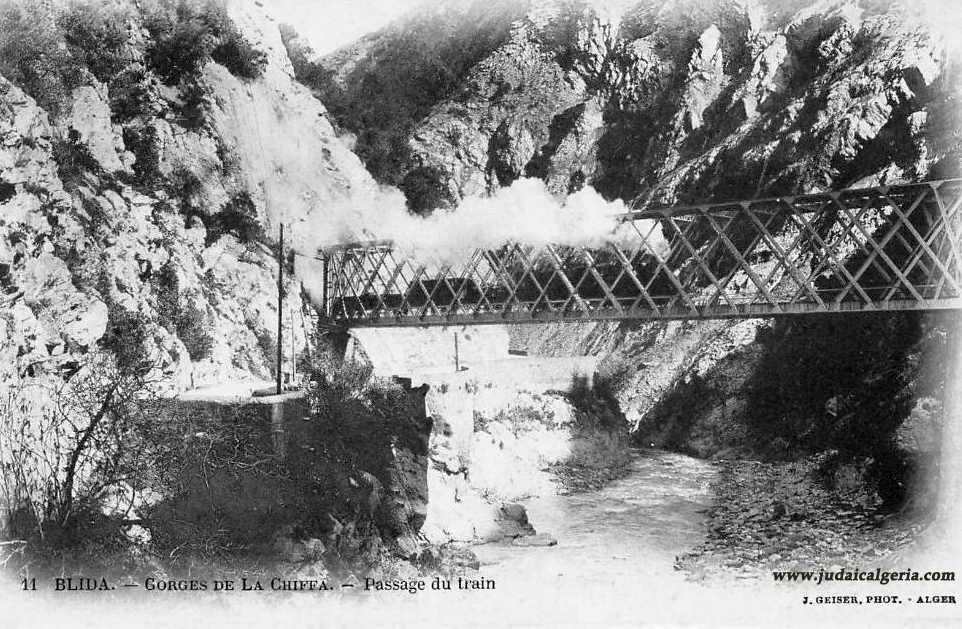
{"x":330,"y":24}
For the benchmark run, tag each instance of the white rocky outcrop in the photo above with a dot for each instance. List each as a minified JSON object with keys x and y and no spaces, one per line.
{"x":72,"y":254}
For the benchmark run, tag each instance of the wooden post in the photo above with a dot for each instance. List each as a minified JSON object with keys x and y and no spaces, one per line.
{"x":308,"y":337}
{"x":277,"y":428}
{"x":280,"y":310}
{"x":457,"y":362}
{"x":325,"y":309}
{"x":293,"y":348}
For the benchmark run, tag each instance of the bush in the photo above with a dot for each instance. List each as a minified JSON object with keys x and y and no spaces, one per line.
{"x":144,"y":144}
{"x":180,"y":42}
{"x":70,"y":446}
{"x":191,"y":111}
{"x":167,"y":292}
{"x":49,"y":58}
{"x":73,"y":159}
{"x":192,"y":330}
{"x":238,"y":217}
{"x":224,"y":490}
{"x":130,"y":97}
{"x":185,"y":34}
{"x":313,"y":75}
{"x":425,"y":189}
{"x":368,"y":463}
{"x":190,"y":323}
{"x":185,"y":187}
{"x":238,"y":55}
{"x":126,"y":337}
{"x":97,"y":36}
{"x":34,"y":56}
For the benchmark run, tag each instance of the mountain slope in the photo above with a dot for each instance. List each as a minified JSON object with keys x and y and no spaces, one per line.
{"x":678,"y":101}
{"x":684,"y":101}
{"x":141,"y":196}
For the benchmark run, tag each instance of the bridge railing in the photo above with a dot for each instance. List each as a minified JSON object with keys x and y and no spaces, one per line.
{"x":884,"y":248}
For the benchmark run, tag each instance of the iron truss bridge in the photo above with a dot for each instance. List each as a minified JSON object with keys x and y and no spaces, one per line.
{"x":867,"y":249}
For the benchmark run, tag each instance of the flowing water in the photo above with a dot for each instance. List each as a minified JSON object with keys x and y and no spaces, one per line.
{"x":618,"y":541}
{"x":644,"y":519}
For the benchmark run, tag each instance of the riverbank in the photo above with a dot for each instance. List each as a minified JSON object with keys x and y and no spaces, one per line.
{"x":628,"y":531}
{"x":787,"y":516}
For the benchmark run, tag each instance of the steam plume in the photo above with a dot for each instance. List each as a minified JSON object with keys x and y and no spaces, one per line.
{"x":524,"y":212}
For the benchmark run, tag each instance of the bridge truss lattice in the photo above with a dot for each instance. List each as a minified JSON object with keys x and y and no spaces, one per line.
{"x":883,"y":248}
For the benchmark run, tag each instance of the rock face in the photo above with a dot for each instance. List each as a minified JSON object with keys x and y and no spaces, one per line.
{"x":352,"y":480}
{"x":140,"y":201}
{"x":679,"y":101}
{"x":143,"y":177}
{"x":157,"y":201}
{"x":691,"y":101}
{"x":500,"y":118}
{"x":495,"y":441}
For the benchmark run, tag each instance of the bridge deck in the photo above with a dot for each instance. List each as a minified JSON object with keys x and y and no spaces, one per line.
{"x":886,"y":248}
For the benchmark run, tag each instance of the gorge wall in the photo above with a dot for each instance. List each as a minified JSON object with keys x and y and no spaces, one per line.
{"x":146,"y":167}
{"x":660,"y":102}
{"x":143,"y":185}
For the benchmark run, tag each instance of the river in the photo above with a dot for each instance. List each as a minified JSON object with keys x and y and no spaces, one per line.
{"x":613,"y":566}
{"x":614,"y":544}
{"x":637,"y":524}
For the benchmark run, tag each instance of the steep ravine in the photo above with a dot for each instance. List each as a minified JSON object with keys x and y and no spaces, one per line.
{"x":695,"y":101}
{"x":143,"y":181}
{"x":156,"y":199}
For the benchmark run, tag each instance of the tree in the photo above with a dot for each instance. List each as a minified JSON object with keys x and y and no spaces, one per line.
{"x":70,"y":444}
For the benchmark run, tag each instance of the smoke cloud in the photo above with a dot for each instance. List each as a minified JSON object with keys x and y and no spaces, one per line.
{"x":525,"y":212}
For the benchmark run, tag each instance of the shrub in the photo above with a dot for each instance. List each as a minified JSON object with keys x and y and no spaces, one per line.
{"x":185,"y":186}
{"x":49,"y":58}
{"x":130,"y":97}
{"x":335,"y":380}
{"x":224,"y":490}
{"x":97,"y":36}
{"x":368,"y":464}
{"x":185,"y":34}
{"x":192,"y":110}
{"x":192,"y":330}
{"x":238,"y":55}
{"x":73,"y":159}
{"x":314,"y":75}
{"x":167,"y":292}
{"x":425,"y":189}
{"x":180,"y":42}
{"x":189,"y":323}
{"x":34,"y":56}
{"x":7,"y":191}
{"x":70,"y":446}
{"x":126,"y":336}
{"x":144,"y":144}
{"x":238,"y":217}
{"x":266,"y":343}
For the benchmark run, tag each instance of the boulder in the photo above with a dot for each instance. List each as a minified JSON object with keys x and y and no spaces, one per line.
{"x":920,"y":433}
{"x":540,"y":539}
{"x":89,"y":120}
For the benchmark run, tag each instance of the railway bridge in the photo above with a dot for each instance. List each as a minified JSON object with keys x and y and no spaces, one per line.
{"x":859,"y":249}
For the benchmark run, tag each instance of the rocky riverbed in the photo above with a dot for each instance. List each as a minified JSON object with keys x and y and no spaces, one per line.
{"x":787,"y":516}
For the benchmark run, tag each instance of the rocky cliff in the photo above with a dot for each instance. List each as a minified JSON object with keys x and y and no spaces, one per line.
{"x":144,"y":170}
{"x":668,"y":101}
{"x":680,"y":101}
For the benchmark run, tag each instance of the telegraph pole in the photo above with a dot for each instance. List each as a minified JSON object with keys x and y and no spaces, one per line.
{"x":280,"y":310}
